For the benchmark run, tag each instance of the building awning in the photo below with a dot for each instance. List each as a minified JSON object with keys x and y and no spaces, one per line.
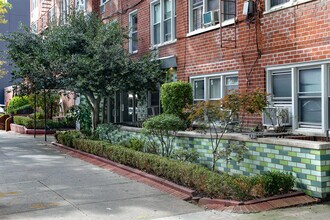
{"x":168,"y":62}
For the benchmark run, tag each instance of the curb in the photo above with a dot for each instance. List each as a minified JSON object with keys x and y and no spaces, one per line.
{"x":183,"y":190}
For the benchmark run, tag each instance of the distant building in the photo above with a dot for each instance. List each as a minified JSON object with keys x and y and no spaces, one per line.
{"x":20,"y":13}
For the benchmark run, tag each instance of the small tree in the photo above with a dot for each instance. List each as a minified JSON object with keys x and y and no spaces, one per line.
{"x":215,"y":117}
{"x":162,"y":130}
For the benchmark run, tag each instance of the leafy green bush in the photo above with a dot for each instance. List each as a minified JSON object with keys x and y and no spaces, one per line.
{"x":19,"y":104}
{"x":162,"y":129}
{"x":40,"y":123}
{"x":134,"y":144}
{"x":39,"y":115}
{"x":81,"y":113}
{"x":275,"y":182}
{"x":175,"y":96}
{"x":186,"y":155}
{"x":204,"y":181}
{"x":107,"y":132}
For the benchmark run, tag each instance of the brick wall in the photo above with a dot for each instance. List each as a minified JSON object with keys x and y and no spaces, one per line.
{"x":294,"y":34}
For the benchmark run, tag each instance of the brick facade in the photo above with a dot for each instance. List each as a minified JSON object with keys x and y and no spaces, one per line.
{"x":295,"y":33}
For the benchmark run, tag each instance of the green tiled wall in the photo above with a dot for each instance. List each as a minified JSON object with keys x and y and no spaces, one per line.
{"x":310,"y":167}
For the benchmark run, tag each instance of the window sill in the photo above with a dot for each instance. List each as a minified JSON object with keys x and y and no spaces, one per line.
{"x":162,"y":45}
{"x":286,"y":5}
{"x":203,"y":30}
{"x":133,"y":52}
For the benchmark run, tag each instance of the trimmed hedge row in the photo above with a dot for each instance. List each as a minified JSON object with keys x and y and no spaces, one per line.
{"x":194,"y":176}
{"x":40,"y":123}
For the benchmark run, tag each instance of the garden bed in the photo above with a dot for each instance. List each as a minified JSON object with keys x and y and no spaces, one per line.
{"x":290,"y":199}
{"x":205,"y":182}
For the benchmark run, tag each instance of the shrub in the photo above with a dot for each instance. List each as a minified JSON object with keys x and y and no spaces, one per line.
{"x":175,"y":96}
{"x":162,"y":129}
{"x":19,"y":104}
{"x":134,"y":144}
{"x":40,"y":123}
{"x":185,"y":155}
{"x":107,"y":132}
{"x":81,"y":113}
{"x":275,"y":182}
{"x":204,"y":181}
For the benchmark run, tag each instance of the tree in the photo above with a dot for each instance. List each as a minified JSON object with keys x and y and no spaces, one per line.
{"x":4,"y":6}
{"x":94,"y":61}
{"x":86,"y":56}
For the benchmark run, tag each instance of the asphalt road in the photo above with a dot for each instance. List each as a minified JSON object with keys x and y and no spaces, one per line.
{"x":39,"y":182}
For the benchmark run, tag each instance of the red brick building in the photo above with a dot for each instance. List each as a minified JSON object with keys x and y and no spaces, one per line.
{"x":282,"y":46}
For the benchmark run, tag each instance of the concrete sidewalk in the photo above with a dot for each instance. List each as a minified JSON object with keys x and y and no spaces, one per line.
{"x":39,"y":182}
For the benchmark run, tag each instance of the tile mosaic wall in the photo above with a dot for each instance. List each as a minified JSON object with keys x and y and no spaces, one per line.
{"x":310,"y":167}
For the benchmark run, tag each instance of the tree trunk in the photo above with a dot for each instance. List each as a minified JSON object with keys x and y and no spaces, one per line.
{"x":94,"y":103}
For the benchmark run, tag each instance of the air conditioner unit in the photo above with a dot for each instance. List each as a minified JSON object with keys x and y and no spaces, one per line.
{"x":277,"y":116}
{"x":211,"y":17}
{"x":248,"y":8}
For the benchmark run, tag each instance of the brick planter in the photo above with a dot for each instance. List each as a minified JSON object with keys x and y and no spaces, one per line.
{"x":23,"y":130}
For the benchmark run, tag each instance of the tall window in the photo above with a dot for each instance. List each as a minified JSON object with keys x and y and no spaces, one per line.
{"x":214,"y":86}
{"x":210,"y":11}
{"x":163,"y":20}
{"x":133,"y":41}
{"x":34,"y":4}
{"x":309,"y":97}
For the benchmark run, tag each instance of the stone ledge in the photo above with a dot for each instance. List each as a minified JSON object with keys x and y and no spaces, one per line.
{"x":317,"y":145}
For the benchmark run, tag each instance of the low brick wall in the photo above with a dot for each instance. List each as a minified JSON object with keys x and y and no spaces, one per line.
{"x":23,"y":130}
{"x":309,"y":161}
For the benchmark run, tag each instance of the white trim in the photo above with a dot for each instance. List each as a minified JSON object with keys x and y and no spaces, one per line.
{"x":130,"y":43}
{"x":106,"y":1}
{"x":289,"y":4}
{"x":310,"y":128}
{"x":192,"y":32}
{"x":162,"y":41}
{"x":214,"y":74}
{"x":206,"y":78}
{"x":294,"y":65}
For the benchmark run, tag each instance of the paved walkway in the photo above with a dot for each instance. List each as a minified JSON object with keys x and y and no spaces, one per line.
{"x":39,"y":182}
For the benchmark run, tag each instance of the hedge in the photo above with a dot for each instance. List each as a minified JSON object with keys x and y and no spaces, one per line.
{"x":197,"y":177}
{"x":40,"y":123}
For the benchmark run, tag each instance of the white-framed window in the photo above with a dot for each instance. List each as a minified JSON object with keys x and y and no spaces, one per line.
{"x":213,"y":86}
{"x":133,"y":32}
{"x":273,"y":5}
{"x":102,"y":5}
{"x":305,"y":88}
{"x":34,"y":4}
{"x":205,"y":13}
{"x":163,"y":21}
{"x":81,"y":5}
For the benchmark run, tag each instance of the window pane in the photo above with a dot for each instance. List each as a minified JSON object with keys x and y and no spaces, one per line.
{"x":199,"y":89}
{"x":157,"y":34}
{"x":134,"y":22}
{"x":197,"y":14}
{"x":310,"y":80}
{"x":282,"y":85}
{"x":277,"y":2}
{"x":212,"y":5}
{"x":167,"y":9}
{"x":156,"y":13}
{"x":228,"y":10}
{"x":231,"y":84}
{"x":310,"y":110}
{"x":215,"y":85}
{"x":167,"y":30}
{"x":134,"y":42}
